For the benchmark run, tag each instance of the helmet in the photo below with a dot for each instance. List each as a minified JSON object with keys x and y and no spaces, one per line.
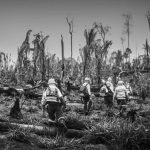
{"x":103,"y":81}
{"x":109,"y":79}
{"x":87,"y":79}
{"x":120,"y":82}
{"x":51,"y":81}
{"x":108,"y":83}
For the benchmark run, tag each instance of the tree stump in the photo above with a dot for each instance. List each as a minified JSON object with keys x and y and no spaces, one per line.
{"x":15,"y":111}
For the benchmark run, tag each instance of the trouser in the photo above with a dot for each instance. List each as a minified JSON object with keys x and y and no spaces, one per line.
{"x":87,"y":104}
{"x":54,"y":110}
{"x":108,"y":100}
{"x":120,"y":103}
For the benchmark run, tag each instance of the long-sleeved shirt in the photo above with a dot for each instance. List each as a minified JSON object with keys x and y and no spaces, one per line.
{"x":120,"y":92}
{"x":129,"y":89}
{"x":104,"y":88}
{"x":46,"y":97}
{"x":88,"y":88}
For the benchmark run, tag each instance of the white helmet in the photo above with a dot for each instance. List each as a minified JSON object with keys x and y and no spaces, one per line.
{"x":103,"y":81}
{"x":109,"y":79}
{"x":120,"y":82}
{"x":108,"y":83}
{"x":87,"y":79}
{"x":51,"y":81}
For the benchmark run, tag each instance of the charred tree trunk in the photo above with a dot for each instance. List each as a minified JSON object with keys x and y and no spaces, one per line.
{"x":34,"y":70}
{"x":42,"y":130}
{"x":15,"y":111}
{"x":43,"y":66}
{"x":63,"y":66}
{"x":84,"y":67}
{"x":98,"y":72}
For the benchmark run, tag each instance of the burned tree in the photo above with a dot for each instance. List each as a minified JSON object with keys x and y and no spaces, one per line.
{"x":70,"y":23}
{"x":148,"y":18}
{"x":101,"y":48}
{"x":87,"y":50}
{"x":127,"y":25}
{"x":2,"y":61}
{"x":42,"y":56}
{"x":36,"y":50}
{"x":147,"y":47}
{"x":63,"y":66}
{"x":39,"y":55}
{"x":15,"y":111}
{"x":22,"y":55}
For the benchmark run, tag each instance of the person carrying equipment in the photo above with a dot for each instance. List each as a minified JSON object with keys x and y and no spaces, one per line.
{"x":85,"y":91}
{"x":53,"y":101}
{"x":120,"y":95}
{"x":129,"y":89}
{"x":107,"y":90}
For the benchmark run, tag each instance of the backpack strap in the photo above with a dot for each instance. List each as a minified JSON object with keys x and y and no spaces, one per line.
{"x":87,"y":89}
{"x":50,"y":92}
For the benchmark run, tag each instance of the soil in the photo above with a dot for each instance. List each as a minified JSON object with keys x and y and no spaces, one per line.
{"x":32,"y":114}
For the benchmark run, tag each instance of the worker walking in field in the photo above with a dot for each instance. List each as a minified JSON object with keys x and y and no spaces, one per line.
{"x":129,"y":89}
{"x":85,"y":90}
{"x":109,"y":81}
{"x":109,"y":95}
{"x":53,"y":100}
{"x":108,"y":91}
{"x":120,"y":95}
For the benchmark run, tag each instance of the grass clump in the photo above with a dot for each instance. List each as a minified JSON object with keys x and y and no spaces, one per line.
{"x":118,"y":134}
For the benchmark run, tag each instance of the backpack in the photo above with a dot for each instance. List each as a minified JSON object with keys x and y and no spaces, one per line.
{"x":83,"y":90}
{"x":52,"y":95}
{"x":110,"y":92}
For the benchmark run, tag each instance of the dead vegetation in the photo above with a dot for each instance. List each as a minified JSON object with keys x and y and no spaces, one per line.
{"x":22,"y":125}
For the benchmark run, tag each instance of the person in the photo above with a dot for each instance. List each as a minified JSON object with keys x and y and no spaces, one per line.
{"x":53,"y":101}
{"x":58,"y":84}
{"x":68,"y":84}
{"x":87,"y":96}
{"x":108,"y":91}
{"x":120,"y":95}
{"x":109,"y":82}
{"x":108,"y":98}
{"x":129,"y":89}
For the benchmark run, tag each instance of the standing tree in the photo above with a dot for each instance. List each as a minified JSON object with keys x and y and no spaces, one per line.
{"x":127,"y":26}
{"x":122,"y":43}
{"x":41,"y":56}
{"x":22,"y":56}
{"x":117,"y":57}
{"x":70,"y":23}
{"x":147,"y":49}
{"x":87,"y":50}
{"x":36,"y":51}
{"x":128,"y":52}
{"x":148,"y":18}
{"x":62,"y":66}
{"x":103,"y":31}
{"x":101,"y":48}
{"x":2,"y":62}
{"x":112,"y":58}
{"x":125,"y":55}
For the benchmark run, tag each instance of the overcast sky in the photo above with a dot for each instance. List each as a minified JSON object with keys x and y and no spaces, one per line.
{"x":49,"y":16}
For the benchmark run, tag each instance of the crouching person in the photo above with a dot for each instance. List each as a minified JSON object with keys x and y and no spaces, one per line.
{"x":53,"y":102}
